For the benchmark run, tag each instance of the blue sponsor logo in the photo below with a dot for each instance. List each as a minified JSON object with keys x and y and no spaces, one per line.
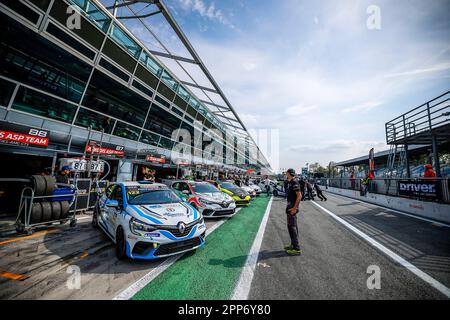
{"x":152,"y":234}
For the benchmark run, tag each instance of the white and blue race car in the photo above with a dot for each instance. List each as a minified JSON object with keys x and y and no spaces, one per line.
{"x":148,"y":221}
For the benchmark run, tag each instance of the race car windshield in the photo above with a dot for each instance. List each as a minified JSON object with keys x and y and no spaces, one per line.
{"x":145,"y":196}
{"x":205,"y":188}
{"x":229,"y":186}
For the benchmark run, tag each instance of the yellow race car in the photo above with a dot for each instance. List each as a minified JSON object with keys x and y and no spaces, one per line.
{"x":240,"y":196}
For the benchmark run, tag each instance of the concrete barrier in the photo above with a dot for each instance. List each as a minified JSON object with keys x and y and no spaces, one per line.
{"x":430,"y":210}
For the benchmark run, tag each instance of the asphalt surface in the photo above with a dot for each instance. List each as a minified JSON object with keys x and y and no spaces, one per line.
{"x":335,"y":261}
{"x":46,"y":262}
{"x":333,"y":265}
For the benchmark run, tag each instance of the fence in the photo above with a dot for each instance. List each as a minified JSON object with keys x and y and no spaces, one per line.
{"x":437,"y":190}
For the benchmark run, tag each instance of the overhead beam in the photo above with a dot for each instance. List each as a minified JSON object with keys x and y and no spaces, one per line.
{"x":143,"y":16}
{"x":173,"y":57}
{"x":199,"y":87}
{"x":215,"y":105}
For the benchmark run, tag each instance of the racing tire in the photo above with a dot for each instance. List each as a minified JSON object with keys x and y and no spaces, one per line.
{"x":36,"y":213}
{"x":275,"y":193}
{"x":50,"y":185}
{"x":56,"y":210}
{"x":46,"y":211}
{"x":65,"y":206}
{"x":39,"y":185}
{"x":120,"y":244}
{"x":95,"y":214}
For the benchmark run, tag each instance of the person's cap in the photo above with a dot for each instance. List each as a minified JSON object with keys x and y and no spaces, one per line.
{"x":428,"y":166}
{"x":64,"y":168}
{"x":291,"y":172}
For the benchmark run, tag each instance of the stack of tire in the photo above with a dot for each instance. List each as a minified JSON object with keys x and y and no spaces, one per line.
{"x":45,"y":209}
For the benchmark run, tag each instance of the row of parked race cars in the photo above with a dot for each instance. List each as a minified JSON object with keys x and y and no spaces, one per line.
{"x":149,"y":220}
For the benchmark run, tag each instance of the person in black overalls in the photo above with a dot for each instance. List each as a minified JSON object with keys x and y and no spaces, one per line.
{"x":293,"y":200}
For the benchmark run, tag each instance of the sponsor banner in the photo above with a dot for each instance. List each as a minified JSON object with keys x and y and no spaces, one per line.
{"x":23,"y":136}
{"x":419,"y":189}
{"x":107,"y":149}
{"x":156,"y":158}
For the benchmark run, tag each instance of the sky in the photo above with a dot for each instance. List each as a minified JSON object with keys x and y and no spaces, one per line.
{"x":316,"y":71}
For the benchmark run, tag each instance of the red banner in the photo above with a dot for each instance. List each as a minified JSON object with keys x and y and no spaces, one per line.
{"x":106,"y":149}
{"x":13,"y":134}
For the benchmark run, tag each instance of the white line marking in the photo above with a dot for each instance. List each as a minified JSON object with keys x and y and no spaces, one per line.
{"x":243,"y":286}
{"x":422,"y":275}
{"x":442,"y":224}
{"x":129,"y":292}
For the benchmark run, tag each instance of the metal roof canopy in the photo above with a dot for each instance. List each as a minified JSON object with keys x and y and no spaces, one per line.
{"x":231,"y":119}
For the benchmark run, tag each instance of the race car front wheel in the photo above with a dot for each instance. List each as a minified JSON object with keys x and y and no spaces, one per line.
{"x":120,"y":244}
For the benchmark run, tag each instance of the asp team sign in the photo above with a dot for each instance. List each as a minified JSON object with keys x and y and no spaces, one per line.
{"x":14,"y":134}
{"x":106,"y":149}
{"x":419,"y":189}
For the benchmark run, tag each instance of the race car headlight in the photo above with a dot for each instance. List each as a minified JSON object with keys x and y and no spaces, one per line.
{"x":137,"y":226}
{"x":206,"y":202}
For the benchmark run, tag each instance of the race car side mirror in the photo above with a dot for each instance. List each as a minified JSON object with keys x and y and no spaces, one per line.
{"x":112,"y":204}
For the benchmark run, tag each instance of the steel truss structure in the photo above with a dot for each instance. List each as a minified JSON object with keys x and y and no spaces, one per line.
{"x":143,"y":9}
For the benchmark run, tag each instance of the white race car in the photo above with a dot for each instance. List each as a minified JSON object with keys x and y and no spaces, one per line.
{"x":148,"y":221}
{"x":205,"y":197}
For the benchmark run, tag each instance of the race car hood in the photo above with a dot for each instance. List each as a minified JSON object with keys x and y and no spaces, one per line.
{"x":214,"y":197}
{"x":164,"y":214}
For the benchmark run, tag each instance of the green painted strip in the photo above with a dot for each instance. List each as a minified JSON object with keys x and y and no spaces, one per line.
{"x":213,"y":271}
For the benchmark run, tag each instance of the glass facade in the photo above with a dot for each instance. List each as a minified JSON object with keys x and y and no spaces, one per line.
{"x":93,"y":13}
{"x":70,"y":88}
{"x":97,"y":121}
{"x":110,"y":97}
{"x":6,"y":91}
{"x":43,"y":105}
{"x":33,"y":60}
{"x":125,"y":41}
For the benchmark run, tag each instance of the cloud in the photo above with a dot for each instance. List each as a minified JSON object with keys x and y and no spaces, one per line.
{"x":364,"y":107}
{"x":299,"y":110}
{"x":421,"y":71}
{"x":204,"y":10}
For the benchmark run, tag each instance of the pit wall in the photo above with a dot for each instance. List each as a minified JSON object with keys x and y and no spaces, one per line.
{"x":430,"y":210}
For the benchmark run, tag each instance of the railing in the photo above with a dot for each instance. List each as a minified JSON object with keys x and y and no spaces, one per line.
{"x":436,"y":190}
{"x":430,"y":115}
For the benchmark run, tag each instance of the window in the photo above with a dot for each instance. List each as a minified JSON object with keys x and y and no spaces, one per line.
{"x":43,"y":105}
{"x":22,"y":10}
{"x":162,"y":101}
{"x":166,"y":143}
{"x":166,"y":92}
{"x":180,"y":103}
{"x":117,"y":195}
{"x":71,"y":42}
{"x":6,"y":91}
{"x":31,"y":59}
{"x":142,"y":88}
{"x":93,"y":13}
{"x":162,"y":122}
{"x":126,"y":131}
{"x":110,"y":97}
{"x":119,"y":56}
{"x":151,"y":64}
{"x":42,"y":4}
{"x":177,"y":111}
{"x":149,"y":138}
{"x":87,"y":30}
{"x":125,"y":41}
{"x":167,"y":78}
{"x":114,"y":70}
{"x":183,"y":93}
{"x":146,"y":77}
{"x":86,"y":118}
